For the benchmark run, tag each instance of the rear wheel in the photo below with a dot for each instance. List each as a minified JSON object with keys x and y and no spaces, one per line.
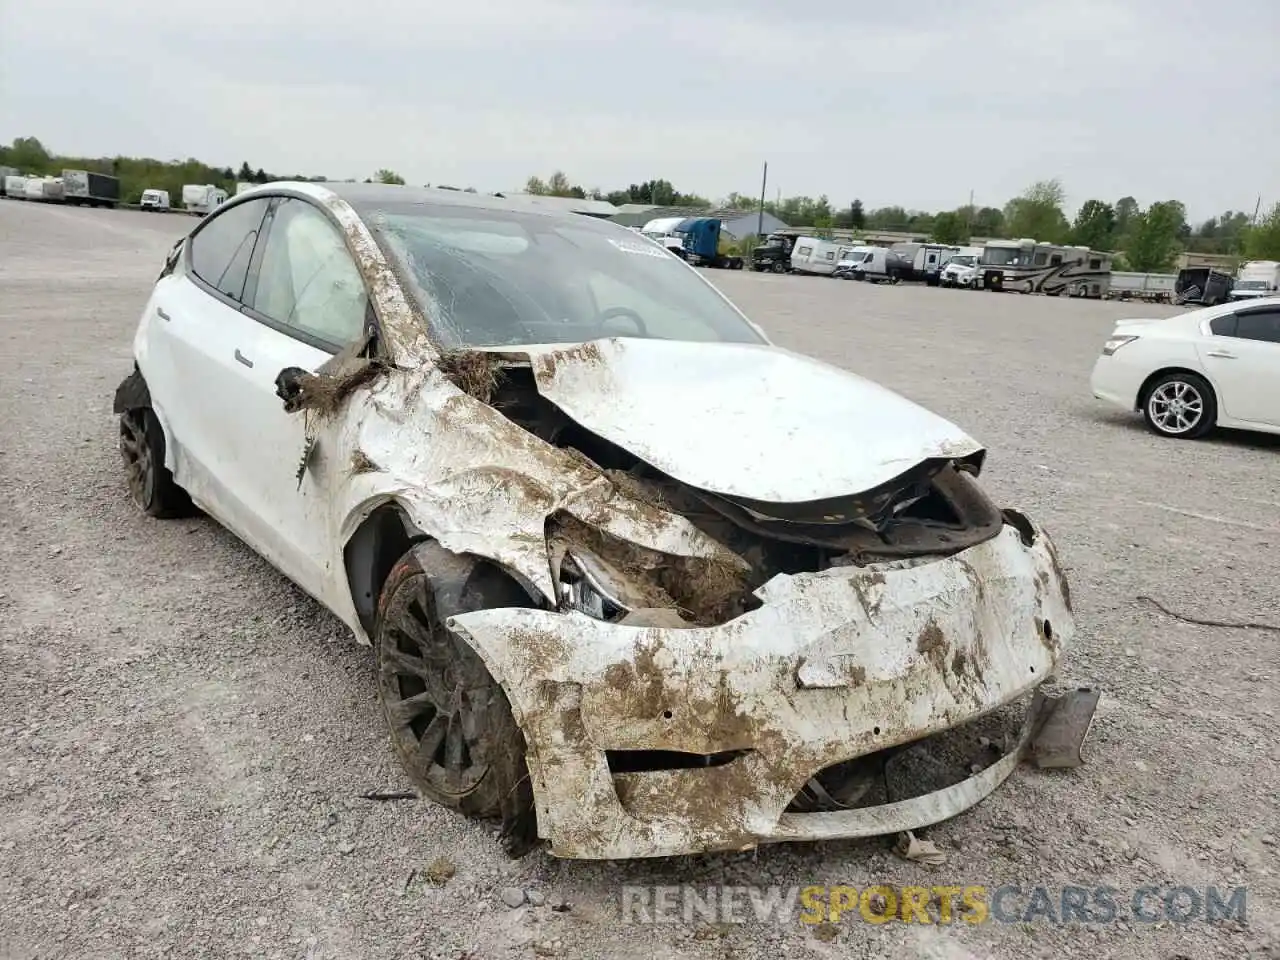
{"x":1180,"y":405}
{"x":450,"y":721}
{"x":151,"y":483}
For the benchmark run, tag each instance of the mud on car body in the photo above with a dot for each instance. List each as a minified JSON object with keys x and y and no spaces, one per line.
{"x":638,"y":582}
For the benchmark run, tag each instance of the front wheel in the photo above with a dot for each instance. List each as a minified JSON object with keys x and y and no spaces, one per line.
{"x":779,"y":267}
{"x":1180,"y":405}
{"x":151,"y":483}
{"x":450,"y":721}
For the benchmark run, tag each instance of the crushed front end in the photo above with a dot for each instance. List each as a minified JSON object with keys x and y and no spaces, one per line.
{"x":653,"y":736}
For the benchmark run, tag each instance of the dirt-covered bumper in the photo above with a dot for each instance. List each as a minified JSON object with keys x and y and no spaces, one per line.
{"x":833,"y":666}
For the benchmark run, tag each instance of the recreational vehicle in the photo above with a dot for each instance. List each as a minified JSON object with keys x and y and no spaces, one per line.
{"x":1025,"y":266}
{"x":812,"y":255}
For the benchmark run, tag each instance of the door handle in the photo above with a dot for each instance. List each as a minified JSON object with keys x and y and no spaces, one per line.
{"x":160,"y":312}
{"x":1222,"y":355}
{"x":240,"y":357}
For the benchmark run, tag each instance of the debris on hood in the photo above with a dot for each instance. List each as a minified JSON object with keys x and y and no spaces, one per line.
{"x":474,"y":372}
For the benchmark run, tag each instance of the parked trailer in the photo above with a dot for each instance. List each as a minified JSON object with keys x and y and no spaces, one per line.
{"x":15,"y":186}
{"x":202,"y":199}
{"x":814,"y":255}
{"x":5,"y":174}
{"x":49,"y":189}
{"x":84,"y":187}
{"x":1202,"y":286}
{"x":1150,"y":287}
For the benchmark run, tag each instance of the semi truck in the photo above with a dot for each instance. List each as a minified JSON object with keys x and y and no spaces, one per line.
{"x":704,"y":244}
{"x":84,"y":187}
{"x":775,"y":253}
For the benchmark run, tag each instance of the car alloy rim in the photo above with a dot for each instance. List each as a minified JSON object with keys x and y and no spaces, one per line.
{"x":435,"y":719}
{"x":1176,"y":406}
{"x":136,"y":453}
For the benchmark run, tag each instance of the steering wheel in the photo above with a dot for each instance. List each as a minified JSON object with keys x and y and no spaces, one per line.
{"x":607,"y":315}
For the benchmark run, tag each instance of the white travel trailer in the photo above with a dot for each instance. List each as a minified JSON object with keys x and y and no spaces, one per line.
{"x":15,"y":187}
{"x":813,"y":255}
{"x":155,"y":200}
{"x":1256,"y":278}
{"x":202,"y":199}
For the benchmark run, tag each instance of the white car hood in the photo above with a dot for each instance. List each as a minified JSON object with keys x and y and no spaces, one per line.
{"x":748,"y":421}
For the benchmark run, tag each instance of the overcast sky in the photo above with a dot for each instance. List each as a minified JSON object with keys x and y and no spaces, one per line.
{"x":913,"y":103}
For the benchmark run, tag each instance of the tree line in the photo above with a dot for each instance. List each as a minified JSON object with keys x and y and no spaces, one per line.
{"x":1148,"y":239}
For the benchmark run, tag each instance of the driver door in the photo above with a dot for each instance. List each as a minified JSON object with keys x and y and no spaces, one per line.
{"x":309,"y":302}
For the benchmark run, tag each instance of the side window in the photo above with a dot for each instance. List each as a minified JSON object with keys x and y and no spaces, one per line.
{"x":307,"y":280}
{"x":1055,"y":260}
{"x":1095,"y":264}
{"x":831,"y":254}
{"x":1261,"y":325}
{"x":1040,"y":259}
{"x":805,"y":251}
{"x":222,"y":247}
{"x":1224,"y":326}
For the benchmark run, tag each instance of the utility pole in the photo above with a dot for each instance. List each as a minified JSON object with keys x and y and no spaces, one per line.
{"x":968,"y":219}
{"x":764,"y":184}
{"x":1257,"y":208}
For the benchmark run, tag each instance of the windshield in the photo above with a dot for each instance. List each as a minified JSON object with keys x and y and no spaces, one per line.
{"x":1251,"y":285}
{"x":1003,"y":256}
{"x":486,"y":277}
{"x":964,"y":260}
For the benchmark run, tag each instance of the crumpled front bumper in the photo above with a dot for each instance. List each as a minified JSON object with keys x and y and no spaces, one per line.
{"x":833,"y":666}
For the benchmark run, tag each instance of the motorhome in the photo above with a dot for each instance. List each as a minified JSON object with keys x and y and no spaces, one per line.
{"x":1256,"y":278}
{"x":814,"y":255}
{"x":1026,"y":266}
{"x":154,"y":200}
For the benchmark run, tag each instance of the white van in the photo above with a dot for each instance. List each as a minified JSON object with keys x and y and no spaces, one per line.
{"x":850,"y":259}
{"x":811,"y":255}
{"x":155,"y":200}
{"x":881,"y":265}
{"x":1256,"y":278}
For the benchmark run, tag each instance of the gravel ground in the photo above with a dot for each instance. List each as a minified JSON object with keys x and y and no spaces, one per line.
{"x":186,"y":736}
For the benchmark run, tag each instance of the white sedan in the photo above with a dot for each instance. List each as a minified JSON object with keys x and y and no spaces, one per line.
{"x":1216,"y":367}
{"x":637,"y":581}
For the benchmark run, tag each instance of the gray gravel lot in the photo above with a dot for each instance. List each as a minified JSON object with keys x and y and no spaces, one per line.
{"x":184,"y":736}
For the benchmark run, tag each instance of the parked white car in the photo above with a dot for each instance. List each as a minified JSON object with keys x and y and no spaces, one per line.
{"x":1219,"y":366}
{"x":638,"y":582}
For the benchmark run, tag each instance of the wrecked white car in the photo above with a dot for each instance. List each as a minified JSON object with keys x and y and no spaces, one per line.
{"x":637,"y":581}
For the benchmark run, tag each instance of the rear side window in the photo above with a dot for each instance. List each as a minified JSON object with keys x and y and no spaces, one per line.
{"x":1223,"y":326}
{"x":223,"y":246}
{"x":1261,"y":325}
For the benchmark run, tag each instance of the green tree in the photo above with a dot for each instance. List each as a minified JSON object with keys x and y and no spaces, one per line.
{"x":949,"y":228}
{"x":1126,"y":209}
{"x":857,"y":216}
{"x":1262,"y":240}
{"x":987,"y":222}
{"x":29,"y":155}
{"x":1153,"y":244}
{"x":1037,"y":213}
{"x":387,"y":176}
{"x":1095,"y":226}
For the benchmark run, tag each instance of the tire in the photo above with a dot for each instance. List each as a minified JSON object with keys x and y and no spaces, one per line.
{"x":1189,"y":389}
{"x":432,"y":684}
{"x":151,"y":483}
{"x":779,"y":267}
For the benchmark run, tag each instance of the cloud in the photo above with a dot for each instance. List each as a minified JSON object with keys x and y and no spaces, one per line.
{"x":911,"y":104}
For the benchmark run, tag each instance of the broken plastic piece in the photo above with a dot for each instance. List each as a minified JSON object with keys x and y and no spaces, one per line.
{"x":1067,"y":720}
{"x":910,"y":847}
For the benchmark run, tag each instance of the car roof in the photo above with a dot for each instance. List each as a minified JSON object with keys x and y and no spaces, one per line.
{"x":363,"y":197}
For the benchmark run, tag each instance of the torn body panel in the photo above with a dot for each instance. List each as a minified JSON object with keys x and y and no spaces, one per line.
{"x":833,"y":666}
